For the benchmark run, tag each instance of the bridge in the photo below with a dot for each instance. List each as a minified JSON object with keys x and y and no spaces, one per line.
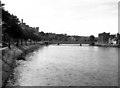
{"x":64,"y":42}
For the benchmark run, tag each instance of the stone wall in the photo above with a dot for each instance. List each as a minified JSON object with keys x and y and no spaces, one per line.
{"x":9,"y":57}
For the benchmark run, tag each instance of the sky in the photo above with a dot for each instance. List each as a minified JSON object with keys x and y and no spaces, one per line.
{"x":73,"y":17}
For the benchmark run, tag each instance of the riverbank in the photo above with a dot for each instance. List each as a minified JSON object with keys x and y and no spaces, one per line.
{"x":9,"y":57}
{"x":107,"y":45}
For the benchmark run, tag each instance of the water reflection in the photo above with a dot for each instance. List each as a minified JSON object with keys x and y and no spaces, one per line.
{"x":66,"y":65}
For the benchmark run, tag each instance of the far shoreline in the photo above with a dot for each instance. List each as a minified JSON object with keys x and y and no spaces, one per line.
{"x":99,"y":45}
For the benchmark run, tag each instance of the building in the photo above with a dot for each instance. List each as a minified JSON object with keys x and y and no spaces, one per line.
{"x":36,"y":29}
{"x":25,"y":26}
{"x":103,"y":38}
{"x":112,"y":40}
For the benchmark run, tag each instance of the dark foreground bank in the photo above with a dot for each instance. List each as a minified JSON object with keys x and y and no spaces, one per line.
{"x":9,"y":58}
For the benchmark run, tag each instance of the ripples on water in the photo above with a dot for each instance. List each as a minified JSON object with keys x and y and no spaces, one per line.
{"x":69,"y":65}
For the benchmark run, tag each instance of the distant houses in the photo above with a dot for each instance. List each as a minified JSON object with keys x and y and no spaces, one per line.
{"x":113,"y":39}
{"x":108,"y":39}
{"x":103,"y":38}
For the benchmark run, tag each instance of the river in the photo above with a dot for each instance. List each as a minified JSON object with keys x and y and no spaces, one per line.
{"x":69,"y":65}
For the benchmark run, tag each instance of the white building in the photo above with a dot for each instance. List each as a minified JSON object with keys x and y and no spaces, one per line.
{"x":112,"y":41}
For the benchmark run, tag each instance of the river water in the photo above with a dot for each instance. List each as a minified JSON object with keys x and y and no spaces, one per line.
{"x":69,"y":65}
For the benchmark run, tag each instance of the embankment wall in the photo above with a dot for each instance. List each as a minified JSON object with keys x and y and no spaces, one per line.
{"x":9,"y":57}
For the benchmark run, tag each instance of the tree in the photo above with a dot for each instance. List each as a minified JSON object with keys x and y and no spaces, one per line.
{"x":17,"y":31}
{"x":11,"y":26}
{"x":92,"y":40}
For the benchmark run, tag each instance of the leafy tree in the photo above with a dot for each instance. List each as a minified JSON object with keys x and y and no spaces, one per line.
{"x":92,"y":40}
{"x":11,"y":25}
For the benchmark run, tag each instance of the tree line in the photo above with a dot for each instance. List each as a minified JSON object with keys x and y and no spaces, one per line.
{"x":13,"y":32}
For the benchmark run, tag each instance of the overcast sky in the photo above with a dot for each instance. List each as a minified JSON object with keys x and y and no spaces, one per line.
{"x":74,"y":17}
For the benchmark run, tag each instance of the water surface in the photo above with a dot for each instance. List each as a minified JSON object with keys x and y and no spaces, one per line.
{"x":69,"y":65}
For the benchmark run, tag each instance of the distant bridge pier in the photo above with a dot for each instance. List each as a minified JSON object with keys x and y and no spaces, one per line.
{"x":58,"y":44}
{"x":92,"y":44}
{"x":46,"y":42}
